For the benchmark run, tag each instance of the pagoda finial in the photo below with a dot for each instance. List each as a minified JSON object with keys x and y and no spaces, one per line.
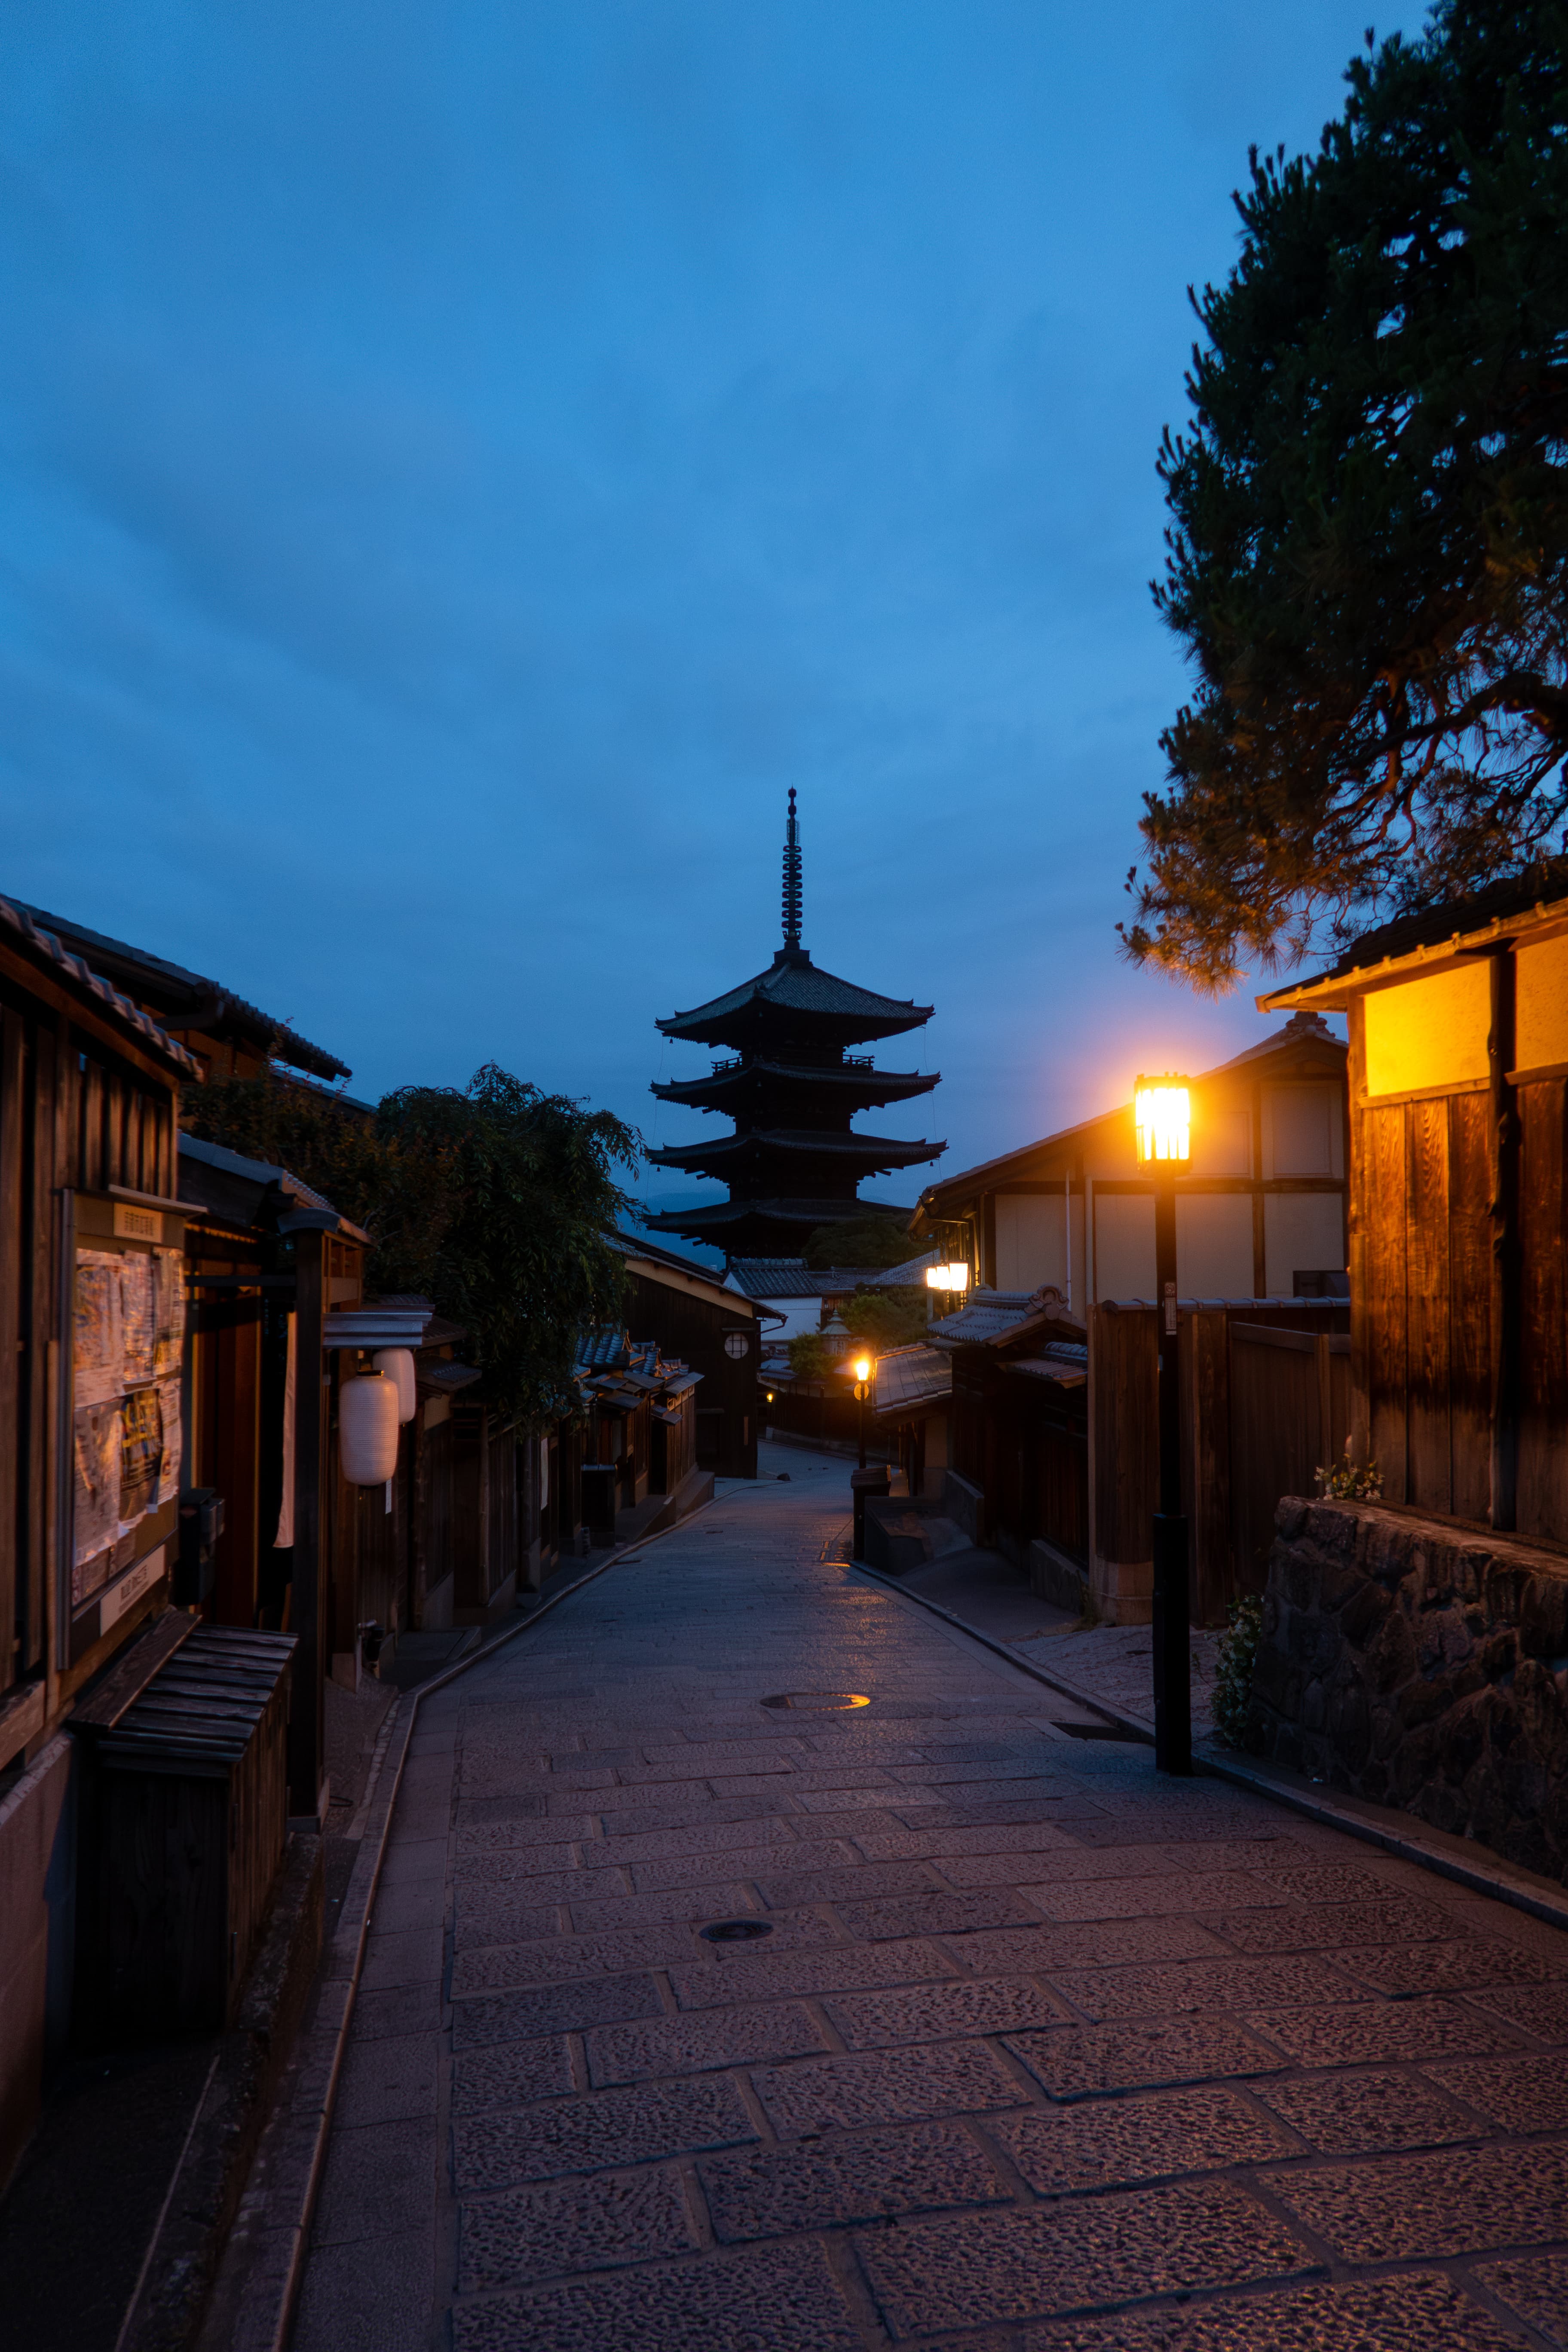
{"x":792,"y":884}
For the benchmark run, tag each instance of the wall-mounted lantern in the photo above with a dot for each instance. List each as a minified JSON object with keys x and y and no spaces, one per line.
{"x":367,"y":1429}
{"x":397,"y":1364}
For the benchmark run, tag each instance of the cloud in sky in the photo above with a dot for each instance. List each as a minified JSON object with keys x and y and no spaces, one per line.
{"x":462,"y":464}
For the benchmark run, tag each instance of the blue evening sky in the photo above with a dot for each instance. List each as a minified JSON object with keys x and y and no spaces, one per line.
{"x":462,"y":463}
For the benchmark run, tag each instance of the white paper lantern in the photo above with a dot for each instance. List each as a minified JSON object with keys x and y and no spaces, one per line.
{"x":397,"y":1364}
{"x":367,"y":1429}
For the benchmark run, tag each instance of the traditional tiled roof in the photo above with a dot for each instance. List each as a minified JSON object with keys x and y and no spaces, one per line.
{"x":807,"y":1215}
{"x":993,"y":1319}
{"x":1539,"y":886}
{"x":792,"y":983}
{"x":1061,"y":1361}
{"x":189,"y":994}
{"x":1473,"y":924}
{"x":33,"y":929}
{"x":910,"y":1376}
{"x":790,"y":1277}
{"x":875,"y":1151}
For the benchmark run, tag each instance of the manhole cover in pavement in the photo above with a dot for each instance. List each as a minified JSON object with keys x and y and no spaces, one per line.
{"x":817,"y":1702}
{"x":735,"y":1931}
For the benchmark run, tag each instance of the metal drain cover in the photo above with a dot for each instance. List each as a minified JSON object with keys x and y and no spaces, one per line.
{"x":818,"y":1702}
{"x":735,"y":1931}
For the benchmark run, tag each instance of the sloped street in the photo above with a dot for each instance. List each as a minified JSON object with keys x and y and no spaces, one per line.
{"x":1001,"y":2042}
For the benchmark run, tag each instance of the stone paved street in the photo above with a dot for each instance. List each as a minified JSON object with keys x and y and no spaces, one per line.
{"x":1037,"y":2053}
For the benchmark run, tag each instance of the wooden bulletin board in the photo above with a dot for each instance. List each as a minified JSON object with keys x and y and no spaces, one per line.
{"x":123,"y":1408}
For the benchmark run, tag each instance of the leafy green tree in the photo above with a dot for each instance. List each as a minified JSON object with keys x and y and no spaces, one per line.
{"x":873,"y":1239}
{"x":887,"y":1318}
{"x":493,"y":1200}
{"x":1369,"y":513}
{"x":808,"y":1357}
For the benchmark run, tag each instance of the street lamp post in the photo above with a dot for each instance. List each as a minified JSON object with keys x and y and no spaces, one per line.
{"x":1162,"y":1116}
{"x":862,"y":1390}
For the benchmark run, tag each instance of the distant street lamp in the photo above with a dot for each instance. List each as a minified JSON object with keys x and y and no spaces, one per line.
{"x":862,"y":1390}
{"x":1161,"y":1113}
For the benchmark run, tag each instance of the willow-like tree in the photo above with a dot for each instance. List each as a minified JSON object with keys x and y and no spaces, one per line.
{"x":494,"y":1200}
{"x":1369,"y":514}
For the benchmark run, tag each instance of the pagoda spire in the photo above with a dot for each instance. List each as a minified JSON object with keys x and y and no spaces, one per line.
{"x":792,"y":880}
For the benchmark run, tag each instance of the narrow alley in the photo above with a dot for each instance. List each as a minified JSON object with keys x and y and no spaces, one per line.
{"x":704,"y":2006}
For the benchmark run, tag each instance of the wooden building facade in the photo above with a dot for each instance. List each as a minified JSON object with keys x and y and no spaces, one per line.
{"x":1053,"y":1450}
{"x":1262,"y":1207}
{"x":693,"y":1314}
{"x":1458,"y":1208}
{"x":91,"y":1308}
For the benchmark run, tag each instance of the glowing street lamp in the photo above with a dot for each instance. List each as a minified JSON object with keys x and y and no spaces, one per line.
{"x":862,"y":1390}
{"x":1162,"y":1114}
{"x":1162,"y":1120}
{"x":951,"y":1277}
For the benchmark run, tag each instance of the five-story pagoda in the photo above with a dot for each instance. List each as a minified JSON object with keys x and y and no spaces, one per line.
{"x":794,"y":1160}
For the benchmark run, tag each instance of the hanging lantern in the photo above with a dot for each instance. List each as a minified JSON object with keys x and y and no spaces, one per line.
{"x":397,"y":1364}
{"x":367,"y":1429}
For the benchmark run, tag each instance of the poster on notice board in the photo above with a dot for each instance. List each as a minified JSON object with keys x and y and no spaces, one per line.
{"x":127,"y":1345}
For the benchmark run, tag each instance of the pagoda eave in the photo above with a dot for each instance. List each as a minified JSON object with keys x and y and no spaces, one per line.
{"x":852,"y":1154}
{"x":837,"y":1088}
{"x":739,"y":1226}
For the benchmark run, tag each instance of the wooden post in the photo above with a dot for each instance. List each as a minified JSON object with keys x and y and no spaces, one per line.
{"x":1259,"y":1213}
{"x":1504,"y":1213}
{"x":307,"y":1605}
{"x":1172,"y":1605}
{"x":1328,"y":1445}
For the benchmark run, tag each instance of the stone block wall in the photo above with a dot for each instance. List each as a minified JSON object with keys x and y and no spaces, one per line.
{"x":1422,"y":1663}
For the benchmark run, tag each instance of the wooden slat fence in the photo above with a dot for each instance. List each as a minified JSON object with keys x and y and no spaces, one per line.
{"x":1290,"y":1412}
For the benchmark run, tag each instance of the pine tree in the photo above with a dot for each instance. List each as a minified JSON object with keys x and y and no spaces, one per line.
{"x":1369,"y":513}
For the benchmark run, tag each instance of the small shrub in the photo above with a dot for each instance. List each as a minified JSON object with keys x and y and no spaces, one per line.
{"x":1233,"y":1672}
{"x":1343,"y":1482}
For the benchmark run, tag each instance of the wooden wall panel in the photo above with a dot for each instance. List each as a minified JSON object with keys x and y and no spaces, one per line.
{"x":1126,"y":1438}
{"x":1274,"y":1436}
{"x":1542,"y":1491}
{"x":55,"y":1096}
{"x":1384,"y":1292}
{"x":1469,"y":1296}
{"x":90,"y":1130}
{"x":13,"y":1268}
{"x":1205,"y":1403}
{"x":1428,"y":1479}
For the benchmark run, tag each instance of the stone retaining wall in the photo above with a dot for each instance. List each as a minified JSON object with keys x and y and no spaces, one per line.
{"x":1421,"y":1663}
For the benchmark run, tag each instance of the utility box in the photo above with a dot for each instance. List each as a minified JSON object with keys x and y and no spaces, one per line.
{"x":864,"y":1485}
{"x":185,"y":1798}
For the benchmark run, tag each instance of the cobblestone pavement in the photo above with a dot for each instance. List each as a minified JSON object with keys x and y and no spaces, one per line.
{"x":1038,"y":2053}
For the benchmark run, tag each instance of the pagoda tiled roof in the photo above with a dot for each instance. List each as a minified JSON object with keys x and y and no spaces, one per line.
{"x":860,"y":1078}
{"x":871,"y":1151}
{"x":792,"y":984}
{"x":809,"y":1213}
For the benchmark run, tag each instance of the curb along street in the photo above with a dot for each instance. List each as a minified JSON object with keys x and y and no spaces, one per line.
{"x":252,"y":2304}
{"x":1401,"y":1835}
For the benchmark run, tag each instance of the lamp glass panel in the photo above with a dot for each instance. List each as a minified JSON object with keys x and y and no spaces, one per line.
{"x":1161,"y":1113}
